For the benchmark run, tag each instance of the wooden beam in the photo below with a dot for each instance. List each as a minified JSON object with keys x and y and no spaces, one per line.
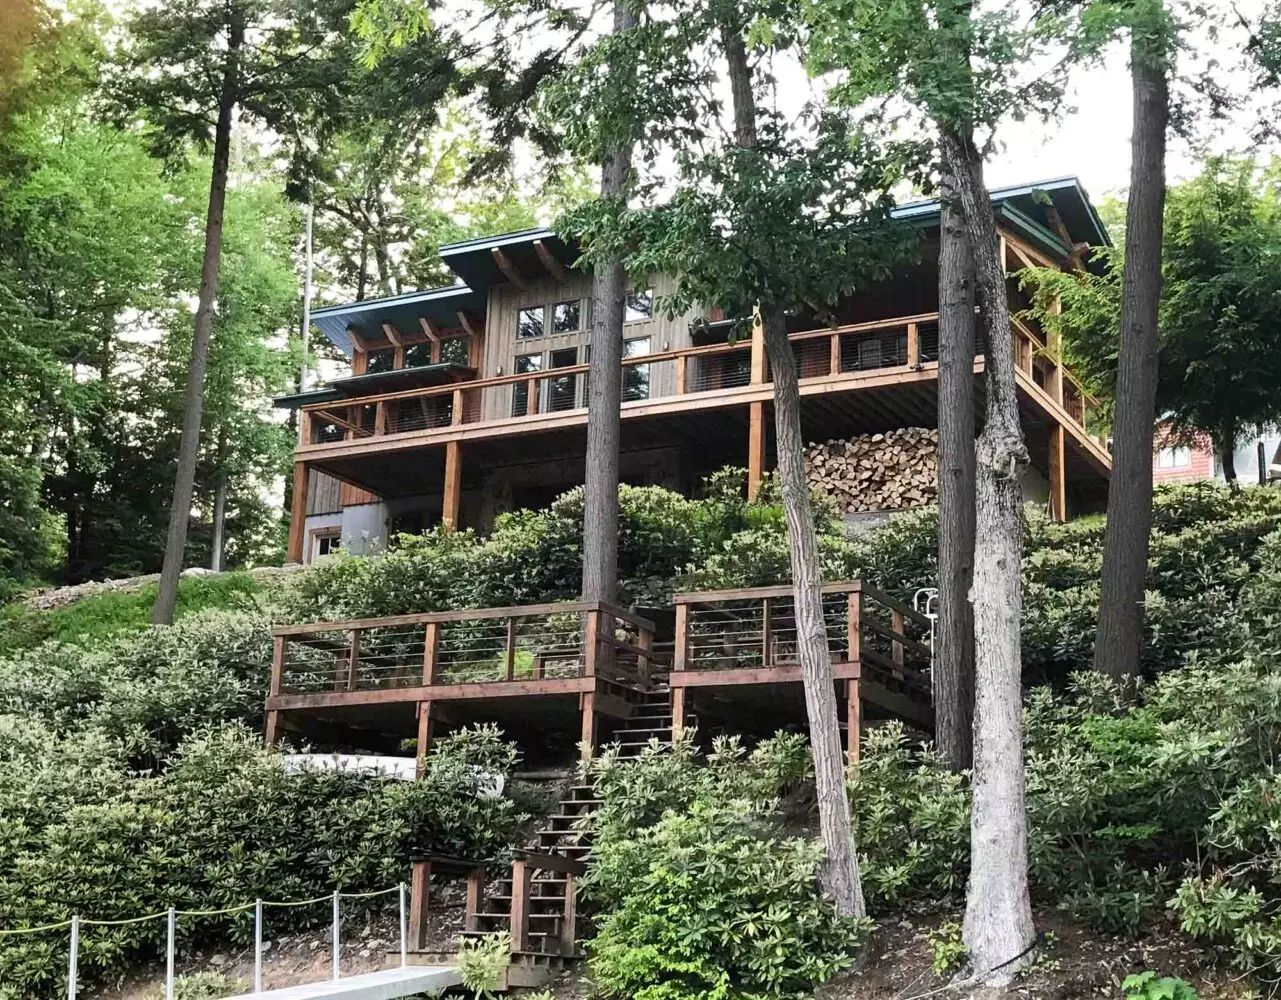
{"x":470,"y":323}
{"x":393,"y":335}
{"x":758,"y":349}
{"x":1058,"y":473}
{"x":678,"y":713}
{"x":451,"y":509}
{"x":510,"y":271}
{"x":424,"y":737}
{"x":755,"y":448}
{"x":736,"y":676}
{"x":853,"y":721}
{"x":522,"y":885}
{"x":298,"y":513}
{"x":420,"y":877}
{"x":587,"y":706}
{"x":554,"y":267}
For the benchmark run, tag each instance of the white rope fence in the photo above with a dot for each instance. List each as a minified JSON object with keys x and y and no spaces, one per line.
{"x":172,"y":914}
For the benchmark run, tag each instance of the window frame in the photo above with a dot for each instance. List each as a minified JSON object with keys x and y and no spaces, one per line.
{"x":577,"y":305}
{"x":647,"y":291}
{"x":541,"y":310}
{"x":1175,"y":452}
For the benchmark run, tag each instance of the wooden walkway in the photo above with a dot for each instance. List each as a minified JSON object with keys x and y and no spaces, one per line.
{"x":386,"y":985}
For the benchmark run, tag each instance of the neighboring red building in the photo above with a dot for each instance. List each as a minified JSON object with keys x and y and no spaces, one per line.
{"x":1177,"y":462}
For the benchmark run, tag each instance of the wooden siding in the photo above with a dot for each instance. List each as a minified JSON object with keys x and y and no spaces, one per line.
{"x":323,"y":494}
{"x":353,"y":496}
{"x":501,"y":346}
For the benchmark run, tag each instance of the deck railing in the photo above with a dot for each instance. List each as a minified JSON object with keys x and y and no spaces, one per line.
{"x":532,"y":642}
{"x":756,"y":628}
{"x":902,"y":343}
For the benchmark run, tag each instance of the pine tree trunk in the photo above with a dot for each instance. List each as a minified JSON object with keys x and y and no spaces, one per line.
{"x":998,"y":910}
{"x":1125,"y":540}
{"x":194,"y":399}
{"x":954,"y":635}
{"x":840,"y":877}
{"x":605,"y":386}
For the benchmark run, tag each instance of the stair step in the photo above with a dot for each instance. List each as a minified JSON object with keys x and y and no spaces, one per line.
{"x":506,"y":898}
{"x":507,"y":916}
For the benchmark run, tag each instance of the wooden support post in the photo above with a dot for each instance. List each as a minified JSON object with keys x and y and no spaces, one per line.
{"x":380,"y":418}
{"x":475,"y":893}
{"x":682,"y":375}
{"x":272,"y":728}
{"x":298,"y":513}
{"x":587,"y":706}
{"x":678,"y":713}
{"x":452,"y":504}
{"x":755,"y":447}
{"x":522,"y":882}
{"x":353,"y":660}
{"x":531,"y":397}
{"x":277,"y":666}
{"x":834,"y":355}
{"x":304,"y":426}
{"x":854,"y":627}
{"x":591,"y":642}
{"x":418,"y":905}
{"x":1058,"y":473}
{"x":424,"y":737}
{"x":854,"y":722}
{"x":767,"y":608}
{"x":431,"y":649}
{"x":913,"y":345}
{"x":568,"y":918}
{"x":682,"y":637}
{"x":342,"y":668}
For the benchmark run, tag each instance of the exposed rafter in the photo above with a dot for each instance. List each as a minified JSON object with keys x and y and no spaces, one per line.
{"x":554,"y":267}
{"x":509,"y":269}
{"x":429,"y":329}
{"x":469,"y":322}
{"x":393,"y":335}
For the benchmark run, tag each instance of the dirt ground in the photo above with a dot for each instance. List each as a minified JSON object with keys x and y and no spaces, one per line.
{"x":1072,"y":964}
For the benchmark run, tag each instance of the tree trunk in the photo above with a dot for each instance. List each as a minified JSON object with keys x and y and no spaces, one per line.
{"x":193,"y":402}
{"x":605,"y":384}
{"x":840,"y":877}
{"x":998,"y":926}
{"x":954,"y":637}
{"x":1125,"y":541}
{"x":219,"y":506}
{"x":1227,"y":455}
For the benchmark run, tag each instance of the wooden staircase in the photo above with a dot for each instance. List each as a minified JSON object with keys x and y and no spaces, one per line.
{"x":537,"y":904}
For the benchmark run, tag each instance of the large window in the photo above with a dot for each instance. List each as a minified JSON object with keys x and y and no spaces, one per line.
{"x":526,"y":364}
{"x":417,"y":355}
{"x":380,"y":361}
{"x":567,"y":317}
{"x":1176,"y":457}
{"x":639,"y":306}
{"x":529,"y":323}
{"x":635,"y":377}
{"x":562,"y":392}
{"x":456,"y":350}
{"x":326,"y":542}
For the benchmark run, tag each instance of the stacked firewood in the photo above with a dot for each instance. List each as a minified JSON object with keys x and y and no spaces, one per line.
{"x":887,"y":471}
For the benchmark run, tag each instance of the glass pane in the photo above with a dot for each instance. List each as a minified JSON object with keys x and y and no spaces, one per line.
{"x":566,"y":317}
{"x":525,"y":365}
{"x":456,"y":350}
{"x":640,"y":305}
{"x":380,"y":361}
{"x":635,"y":377}
{"x":563,"y":392}
{"x":529,"y":323}
{"x":417,"y":355}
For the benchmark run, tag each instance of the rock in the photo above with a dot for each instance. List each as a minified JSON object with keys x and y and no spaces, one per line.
{"x":266,"y":947}
{"x":313,"y":945}
{"x":218,"y":961}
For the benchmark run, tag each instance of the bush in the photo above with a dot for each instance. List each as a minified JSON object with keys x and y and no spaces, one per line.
{"x":224,"y":825}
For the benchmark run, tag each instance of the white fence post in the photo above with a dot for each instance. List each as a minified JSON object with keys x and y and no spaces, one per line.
{"x":336,"y":941}
{"x":404,"y":934}
{"x":73,"y":963}
{"x":258,"y":946}
{"x":169,"y":950}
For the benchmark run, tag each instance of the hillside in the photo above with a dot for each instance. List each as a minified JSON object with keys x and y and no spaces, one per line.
{"x":132,"y":775}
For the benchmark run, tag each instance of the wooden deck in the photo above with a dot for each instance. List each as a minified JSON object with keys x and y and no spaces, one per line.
{"x":602,"y":658}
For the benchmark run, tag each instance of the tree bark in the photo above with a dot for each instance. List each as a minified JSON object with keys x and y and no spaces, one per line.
{"x":841,"y":878}
{"x":605,"y":385}
{"x":954,"y":636}
{"x":193,"y":402}
{"x":219,"y":506}
{"x":998,"y":925}
{"x":1227,"y":455}
{"x":1125,"y":541}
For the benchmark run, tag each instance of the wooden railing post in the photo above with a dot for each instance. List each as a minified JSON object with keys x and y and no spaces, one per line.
{"x":456,"y":413}
{"x":682,"y":375}
{"x":913,"y":345}
{"x":475,"y":893}
{"x":277,"y":666}
{"x":854,"y":626}
{"x":418,"y":905}
{"x":353,"y":661}
{"x":767,"y":607}
{"x":567,"y":930}
{"x":531,"y":397}
{"x":896,"y":646}
{"x":644,"y":639}
{"x":591,"y":642}
{"x":522,"y":880}
{"x":511,"y":647}
{"x":431,"y":649}
{"x":682,"y":637}
{"x":834,"y":355}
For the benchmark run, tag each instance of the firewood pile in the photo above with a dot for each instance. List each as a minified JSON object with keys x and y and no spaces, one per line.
{"x":887,"y":471}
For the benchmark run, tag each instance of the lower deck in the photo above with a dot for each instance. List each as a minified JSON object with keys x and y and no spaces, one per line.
{"x":559,"y":676}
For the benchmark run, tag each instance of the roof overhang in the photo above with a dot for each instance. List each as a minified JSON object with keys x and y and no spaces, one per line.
{"x":510,"y":257}
{"x":438,"y":306}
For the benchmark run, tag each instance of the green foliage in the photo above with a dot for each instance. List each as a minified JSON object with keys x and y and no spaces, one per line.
{"x":1148,"y":986}
{"x":482,"y":961}
{"x":703,"y":892}
{"x":947,"y":950}
{"x":223,"y":824}
{"x":202,"y":986}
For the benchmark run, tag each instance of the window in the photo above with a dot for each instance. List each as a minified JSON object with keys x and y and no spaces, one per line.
{"x":635,"y":377}
{"x":563,"y":392}
{"x":1176,"y":457}
{"x":529,"y":323}
{"x":566,"y":317}
{"x":456,"y":350}
{"x":526,"y":364}
{"x":640,"y":306}
{"x":417,"y":355}
{"x":380,"y":361}
{"x":326,"y":542}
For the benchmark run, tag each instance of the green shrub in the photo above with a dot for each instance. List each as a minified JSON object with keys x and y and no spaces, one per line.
{"x":202,"y":986}
{"x":223,"y":825}
{"x":1150,"y":986}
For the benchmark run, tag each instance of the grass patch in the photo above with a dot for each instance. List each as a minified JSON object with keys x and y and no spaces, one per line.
{"x":97,"y":619}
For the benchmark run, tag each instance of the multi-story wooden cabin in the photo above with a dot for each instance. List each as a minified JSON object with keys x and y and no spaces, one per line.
{"x":469,"y":400}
